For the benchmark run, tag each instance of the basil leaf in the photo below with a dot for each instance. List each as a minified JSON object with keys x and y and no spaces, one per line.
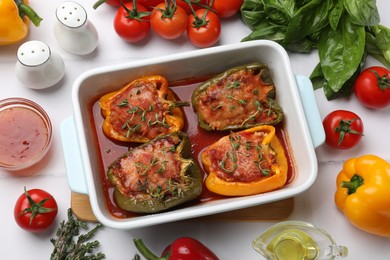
{"x":317,"y":77}
{"x":279,"y":11}
{"x":374,"y":50}
{"x":252,"y":13}
{"x":341,"y":52}
{"x":310,"y":18}
{"x":303,"y":46}
{"x":268,"y":32}
{"x":335,"y":14}
{"x":382,"y":34}
{"x":362,"y":12}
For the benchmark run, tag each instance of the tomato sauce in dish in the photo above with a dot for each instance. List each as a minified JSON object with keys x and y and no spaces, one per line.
{"x":24,"y":136}
{"x":200,"y":139}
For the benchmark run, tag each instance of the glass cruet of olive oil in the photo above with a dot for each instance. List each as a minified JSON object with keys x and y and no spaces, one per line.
{"x":297,"y":240}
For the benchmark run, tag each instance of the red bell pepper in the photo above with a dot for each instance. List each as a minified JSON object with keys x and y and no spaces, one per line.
{"x":184,"y":248}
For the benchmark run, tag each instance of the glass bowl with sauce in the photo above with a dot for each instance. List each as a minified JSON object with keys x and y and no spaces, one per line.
{"x":25,"y":133}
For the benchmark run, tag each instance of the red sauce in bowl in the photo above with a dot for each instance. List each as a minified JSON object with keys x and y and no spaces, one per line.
{"x":25,"y":133}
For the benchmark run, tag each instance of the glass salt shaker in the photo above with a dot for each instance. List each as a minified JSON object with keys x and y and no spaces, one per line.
{"x":297,"y":240}
{"x":73,"y":31}
{"x":37,"y":66}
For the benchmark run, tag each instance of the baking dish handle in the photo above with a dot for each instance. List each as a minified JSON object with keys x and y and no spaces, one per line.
{"x":72,"y":156}
{"x":310,"y":108}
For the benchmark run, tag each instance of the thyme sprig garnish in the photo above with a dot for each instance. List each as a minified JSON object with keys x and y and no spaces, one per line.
{"x":233,"y":85}
{"x":142,"y":113}
{"x":143,"y":168}
{"x":232,"y":155}
{"x":264,"y":172}
{"x":65,"y":246}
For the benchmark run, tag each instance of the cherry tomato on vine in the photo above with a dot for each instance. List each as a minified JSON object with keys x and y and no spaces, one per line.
{"x":131,"y":22}
{"x":372,"y":87}
{"x":196,"y":4}
{"x":149,"y":4}
{"x":204,"y":28}
{"x":115,"y":3}
{"x":343,"y":129}
{"x":226,"y":8}
{"x":35,"y":210}
{"x":168,"y":20}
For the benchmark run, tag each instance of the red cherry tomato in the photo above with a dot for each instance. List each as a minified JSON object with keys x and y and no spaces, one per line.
{"x":196,"y":4}
{"x":372,"y":87}
{"x":226,"y":8}
{"x":343,"y":129}
{"x":204,"y":28}
{"x":149,"y":4}
{"x":167,"y":21}
{"x":116,"y":3}
{"x":35,"y":210}
{"x":132,"y":24}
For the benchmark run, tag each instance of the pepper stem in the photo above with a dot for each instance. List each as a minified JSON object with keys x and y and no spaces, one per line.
{"x":144,"y":251}
{"x":30,"y":13}
{"x":355,"y":182}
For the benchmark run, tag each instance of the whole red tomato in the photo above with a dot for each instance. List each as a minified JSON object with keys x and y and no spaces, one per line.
{"x":343,"y":129}
{"x":204,"y":28}
{"x":168,"y":21}
{"x":372,"y":87}
{"x":35,"y":210}
{"x":226,"y":8}
{"x":131,"y":22}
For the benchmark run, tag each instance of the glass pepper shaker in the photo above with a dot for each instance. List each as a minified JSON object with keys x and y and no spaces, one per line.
{"x":73,"y":31}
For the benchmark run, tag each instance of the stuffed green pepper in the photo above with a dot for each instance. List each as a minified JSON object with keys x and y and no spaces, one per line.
{"x":239,"y":98}
{"x":156,"y":176}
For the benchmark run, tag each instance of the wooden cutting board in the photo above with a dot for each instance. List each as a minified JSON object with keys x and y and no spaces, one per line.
{"x":277,"y":210}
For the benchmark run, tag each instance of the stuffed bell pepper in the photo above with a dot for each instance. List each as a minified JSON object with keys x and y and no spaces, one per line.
{"x":239,"y":98}
{"x":15,"y":17}
{"x":141,"y":111}
{"x":363,"y":193}
{"x":248,"y":162}
{"x":156,"y":176}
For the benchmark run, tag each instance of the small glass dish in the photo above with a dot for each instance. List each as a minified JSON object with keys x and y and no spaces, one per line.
{"x":297,"y":240}
{"x":25,"y":133}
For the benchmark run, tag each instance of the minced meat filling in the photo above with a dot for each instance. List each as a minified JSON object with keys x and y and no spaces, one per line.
{"x":242,"y":157}
{"x":139,"y":111}
{"x":155,"y":170}
{"x":235,"y":100}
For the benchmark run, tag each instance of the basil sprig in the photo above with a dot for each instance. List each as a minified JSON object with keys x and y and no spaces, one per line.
{"x":343,"y":31}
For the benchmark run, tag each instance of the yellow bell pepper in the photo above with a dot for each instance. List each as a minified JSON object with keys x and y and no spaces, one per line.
{"x":15,"y":17}
{"x":363,"y":194}
{"x":248,"y":162}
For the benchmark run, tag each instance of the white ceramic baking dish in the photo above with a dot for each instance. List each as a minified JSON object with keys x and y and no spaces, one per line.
{"x":295,"y":94}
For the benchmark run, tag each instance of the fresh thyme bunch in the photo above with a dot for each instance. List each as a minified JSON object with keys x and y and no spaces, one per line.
{"x":65,"y":245}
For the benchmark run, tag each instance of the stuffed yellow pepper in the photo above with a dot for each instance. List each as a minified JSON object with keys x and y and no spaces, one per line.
{"x":141,"y":111}
{"x":363,"y":194}
{"x":15,"y":17}
{"x":248,"y":162}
